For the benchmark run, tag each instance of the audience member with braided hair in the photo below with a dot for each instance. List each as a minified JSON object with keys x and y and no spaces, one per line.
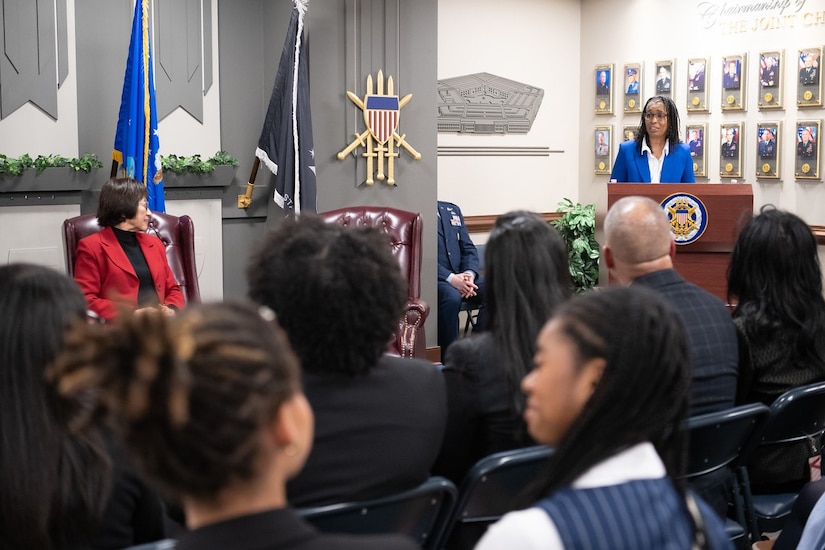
{"x":776,"y":282}
{"x":609,"y":392}
{"x":210,"y":404}
{"x":338,"y":293}
{"x":57,"y":490}
{"x":527,"y":277}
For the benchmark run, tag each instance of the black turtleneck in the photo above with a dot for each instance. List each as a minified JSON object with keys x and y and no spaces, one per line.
{"x":147,"y":295}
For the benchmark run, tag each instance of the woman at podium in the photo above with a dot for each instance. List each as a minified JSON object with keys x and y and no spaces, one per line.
{"x":657,"y":155}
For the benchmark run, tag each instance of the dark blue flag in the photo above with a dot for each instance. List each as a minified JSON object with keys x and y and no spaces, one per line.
{"x":136,"y":138}
{"x":285,"y":145}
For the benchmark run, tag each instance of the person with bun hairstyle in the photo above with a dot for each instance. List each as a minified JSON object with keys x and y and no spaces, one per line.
{"x":209,"y":403}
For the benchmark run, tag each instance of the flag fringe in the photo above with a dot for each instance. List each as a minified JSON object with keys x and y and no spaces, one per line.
{"x":261,"y":154}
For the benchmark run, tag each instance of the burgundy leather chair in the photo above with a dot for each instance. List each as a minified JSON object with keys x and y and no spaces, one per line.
{"x":404,"y":229}
{"x":176,"y":233}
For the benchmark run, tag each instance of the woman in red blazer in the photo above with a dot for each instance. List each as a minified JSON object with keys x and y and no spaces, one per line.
{"x":122,"y":265}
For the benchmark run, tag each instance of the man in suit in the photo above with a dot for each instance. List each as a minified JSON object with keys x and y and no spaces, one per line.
{"x":767,"y":145}
{"x":697,"y":77}
{"x":731,"y":78}
{"x":696,"y":147}
{"x":768,"y":75}
{"x":808,"y":74}
{"x":602,"y":148}
{"x":729,"y":146}
{"x":458,"y":274}
{"x":639,"y":250}
{"x":632,"y":82}
{"x":663,"y":81}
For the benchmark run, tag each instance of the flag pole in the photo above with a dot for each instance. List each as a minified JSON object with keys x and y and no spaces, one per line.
{"x":245,"y":199}
{"x":115,"y":165}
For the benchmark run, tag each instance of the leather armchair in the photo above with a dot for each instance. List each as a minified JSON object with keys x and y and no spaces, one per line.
{"x":405,"y":230}
{"x":176,"y":233}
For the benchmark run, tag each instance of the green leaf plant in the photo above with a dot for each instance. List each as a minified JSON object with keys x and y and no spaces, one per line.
{"x":195,"y":165}
{"x":10,"y":166}
{"x":577,"y":227}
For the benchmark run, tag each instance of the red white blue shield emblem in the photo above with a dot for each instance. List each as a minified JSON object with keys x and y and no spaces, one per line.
{"x":381,"y":115}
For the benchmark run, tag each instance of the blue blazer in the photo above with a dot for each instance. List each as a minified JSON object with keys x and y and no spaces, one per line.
{"x":456,"y":251}
{"x":631,"y":167}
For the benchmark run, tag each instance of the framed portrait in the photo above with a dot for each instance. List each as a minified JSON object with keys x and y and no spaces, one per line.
{"x":733,"y":82}
{"x":695,"y":136}
{"x":629,"y":133}
{"x":771,"y":67}
{"x":603,"y":149}
{"x":806,"y":164}
{"x":604,"y":89}
{"x":697,"y":85}
{"x":730,"y":150}
{"x":767,"y":151}
{"x":664,"y":77}
{"x":809,"y":87}
{"x":633,"y":88}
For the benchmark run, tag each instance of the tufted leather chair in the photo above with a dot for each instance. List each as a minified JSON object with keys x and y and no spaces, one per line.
{"x":404,"y":229}
{"x":177,"y":234}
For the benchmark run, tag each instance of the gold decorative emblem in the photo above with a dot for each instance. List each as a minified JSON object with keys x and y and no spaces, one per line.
{"x":631,"y":103}
{"x":695,"y":101}
{"x":381,"y":114}
{"x":602,"y":165}
{"x":766,"y":167}
{"x":729,"y":167}
{"x":602,"y":104}
{"x":695,"y":166}
{"x":808,"y":95}
{"x":681,"y":214}
{"x":768,"y":97}
{"x":806,"y":168}
{"x":731,"y":100}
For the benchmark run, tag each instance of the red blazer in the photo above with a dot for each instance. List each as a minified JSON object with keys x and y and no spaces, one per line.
{"x":107,"y":277}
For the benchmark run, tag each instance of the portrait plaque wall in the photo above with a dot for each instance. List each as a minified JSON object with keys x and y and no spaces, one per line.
{"x":730,"y":150}
{"x":806,"y":163}
{"x":665,"y":73}
{"x":695,"y":137}
{"x":697,"y":85}
{"x":603,"y":149}
{"x":733,"y":82}
{"x":633,"y":88}
{"x":768,"y":136}
{"x":771,"y":67}
{"x":809,"y":83}
{"x":604,"y":89}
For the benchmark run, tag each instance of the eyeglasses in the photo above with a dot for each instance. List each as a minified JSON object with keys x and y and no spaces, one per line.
{"x":657,"y":116}
{"x":144,"y":203}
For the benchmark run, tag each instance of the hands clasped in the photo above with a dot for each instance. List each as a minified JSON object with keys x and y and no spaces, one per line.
{"x":464,"y":283}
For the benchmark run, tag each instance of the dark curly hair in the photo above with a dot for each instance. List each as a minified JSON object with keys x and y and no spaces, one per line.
{"x":337,"y":291}
{"x":188,"y":395}
{"x":672,"y":122}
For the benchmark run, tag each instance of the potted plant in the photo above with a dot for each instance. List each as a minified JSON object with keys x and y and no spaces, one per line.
{"x":193,"y":171}
{"x":577,"y":227}
{"x":48,"y":172}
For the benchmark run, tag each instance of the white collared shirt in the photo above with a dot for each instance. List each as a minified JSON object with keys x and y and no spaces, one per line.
{"x":532,"y":529}
{"x":653,"y":163}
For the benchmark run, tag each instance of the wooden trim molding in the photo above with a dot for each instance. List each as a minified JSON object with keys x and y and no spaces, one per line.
{"x":819,"y":233}
{"x":482,"y":224}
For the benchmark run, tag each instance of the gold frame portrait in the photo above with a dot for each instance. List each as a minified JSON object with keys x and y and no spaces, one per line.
{"x":730,"y":156}
{"x":767,"y":156}
{"x":604,"y":98}
{"x":733,"y":85}
{"x":770,"y":80}
{"x":632,"y":101}
{"x":698,"y":83}
{"x":698,"y":152}
{"x":669,"y":65}
{"x":808,"y":88}
{"x":603,"y":163}
{"x":806,"y":166}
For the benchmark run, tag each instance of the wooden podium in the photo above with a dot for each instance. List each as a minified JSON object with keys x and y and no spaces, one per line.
{"x":728,"y":205}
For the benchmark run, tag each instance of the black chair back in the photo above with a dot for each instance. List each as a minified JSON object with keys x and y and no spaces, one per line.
{"x":492,"y":487}
{"x":421,"y":513}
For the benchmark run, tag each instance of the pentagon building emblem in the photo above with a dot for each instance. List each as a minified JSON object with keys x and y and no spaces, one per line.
{"x":687,"y":216}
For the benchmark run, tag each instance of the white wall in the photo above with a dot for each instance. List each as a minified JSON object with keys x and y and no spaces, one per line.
{"x":530,"y":41}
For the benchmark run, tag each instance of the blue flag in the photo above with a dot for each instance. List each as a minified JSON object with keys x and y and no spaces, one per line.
{"x":136,"y":139}
{"x":285,"y":146}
